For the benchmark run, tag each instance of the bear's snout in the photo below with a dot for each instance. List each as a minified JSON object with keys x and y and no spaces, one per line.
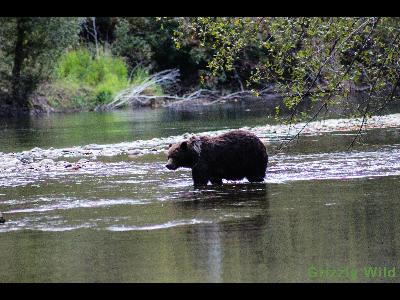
{"x":170,"y":165}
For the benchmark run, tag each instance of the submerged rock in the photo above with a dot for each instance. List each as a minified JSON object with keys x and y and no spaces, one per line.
{"x":76,"y":167}
{"x":2,"y":219}
{"x":83,"y":161}
{"x":25,"y":158}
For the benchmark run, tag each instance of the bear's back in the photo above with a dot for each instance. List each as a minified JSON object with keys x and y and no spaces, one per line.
{"x":233,"y":155}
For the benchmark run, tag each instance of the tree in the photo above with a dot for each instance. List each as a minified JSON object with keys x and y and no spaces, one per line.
{"x":29,"y":47}
{"x":320,"y":60}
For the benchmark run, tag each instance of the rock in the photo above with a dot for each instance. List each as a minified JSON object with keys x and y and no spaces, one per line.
{"x":93,"y":147}
{"x":133,"y":152}
{"x":10,"y":162}
{"x":2,"y":219}
{"x":107,"y":153}
{"x":34,"y":165}
{"x":83,"y":161}
{"x":46,"y":162}
{"x":68,"y":150}
{"x":25,"y":159}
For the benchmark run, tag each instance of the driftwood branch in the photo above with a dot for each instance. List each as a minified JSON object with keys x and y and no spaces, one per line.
{"x":134,"y":94}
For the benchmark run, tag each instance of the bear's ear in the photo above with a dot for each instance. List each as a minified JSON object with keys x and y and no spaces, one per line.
{"x":184,"y":145}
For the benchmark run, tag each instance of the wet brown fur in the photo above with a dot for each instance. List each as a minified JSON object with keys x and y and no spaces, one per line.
{"x":232,"y":156}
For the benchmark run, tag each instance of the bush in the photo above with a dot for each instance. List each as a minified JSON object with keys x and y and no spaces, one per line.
{"x":105,"y":75}
{"x":84,"y":81}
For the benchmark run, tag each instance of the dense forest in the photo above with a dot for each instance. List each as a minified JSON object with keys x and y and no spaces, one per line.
{"x":81,"y":63}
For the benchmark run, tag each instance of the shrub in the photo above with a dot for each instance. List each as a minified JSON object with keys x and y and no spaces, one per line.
{"x":103,"y":76}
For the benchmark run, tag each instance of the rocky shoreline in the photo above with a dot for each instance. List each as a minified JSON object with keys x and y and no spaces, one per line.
{"x":42,"y":160}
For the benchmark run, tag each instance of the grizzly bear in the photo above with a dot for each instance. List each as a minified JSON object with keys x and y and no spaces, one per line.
{"x":232,"y":156}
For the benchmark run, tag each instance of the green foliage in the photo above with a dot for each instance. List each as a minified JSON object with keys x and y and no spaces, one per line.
{"x":136,"y":49}
{"x":321,"y":59}
{"x":82,"y":80}
{"x":81,"y":66}
{"x":324,"y":56}
{"x":147,"y":42}
{"x":106,"y":75}
{"x":67,"y":95}
{"x":29,"y":46}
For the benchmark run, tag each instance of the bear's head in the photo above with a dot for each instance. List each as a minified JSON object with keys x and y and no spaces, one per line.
{"x":184,"y":154}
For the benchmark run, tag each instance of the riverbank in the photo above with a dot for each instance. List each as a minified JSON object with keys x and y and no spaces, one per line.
{"x":59,"y":98}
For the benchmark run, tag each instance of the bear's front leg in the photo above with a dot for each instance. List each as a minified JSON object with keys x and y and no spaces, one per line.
{"x":200,"y":175}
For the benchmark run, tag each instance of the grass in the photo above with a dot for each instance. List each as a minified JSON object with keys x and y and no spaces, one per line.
{"x":82,"y":81}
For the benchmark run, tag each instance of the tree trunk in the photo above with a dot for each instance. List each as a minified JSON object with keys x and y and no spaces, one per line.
{"x":17,"y":86}
{"x":95,"y":36}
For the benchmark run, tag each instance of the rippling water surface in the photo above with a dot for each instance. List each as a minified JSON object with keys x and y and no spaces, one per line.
{"x":122,"y":216}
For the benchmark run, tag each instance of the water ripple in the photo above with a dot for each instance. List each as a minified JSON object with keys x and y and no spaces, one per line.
{"x":338,"y":165}
{"x":66,"y":203}
{"x":158,"y":226}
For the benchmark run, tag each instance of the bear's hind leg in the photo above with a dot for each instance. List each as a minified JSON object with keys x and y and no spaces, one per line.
{"x":257,"y":174}
{"x":200,"y":181}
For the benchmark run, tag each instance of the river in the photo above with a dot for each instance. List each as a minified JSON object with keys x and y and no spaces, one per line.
{"x":87,"y":198}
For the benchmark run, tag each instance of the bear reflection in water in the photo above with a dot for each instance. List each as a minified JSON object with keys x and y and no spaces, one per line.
{"x":241,"y":205}
{"x":226,"y":198}
{"x":234,"y":155}
{"x":238,"y":215}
